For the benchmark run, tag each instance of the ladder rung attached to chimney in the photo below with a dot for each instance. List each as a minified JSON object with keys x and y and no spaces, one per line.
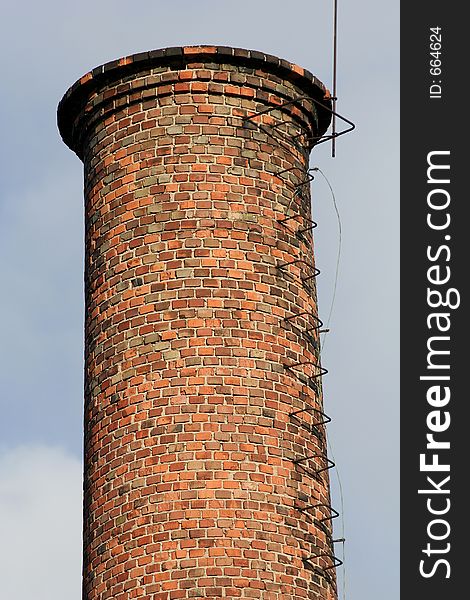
{"x":321,"y":523}
{"x":308,"y":138}
{"x":312,"y":427}
{"x":291,"y":320}
{"x":281,"y":140}
{"x":298,"y":232}
{"x":298,"y":188}
{"x":314,"y":472}
{"x":275,"y":132}
{"x":304,"y":279}
{"x":281,"y":127}
{"x":301,"y":261}
{"x":336,"y":562}
{"x":308,"y":380}
{"x":325,"y":138}
{"x":298,"y":192}
{"x":320,"y":417}
{"x":306,"y":177}
{"x":323,"y":571}
{"x":293,"y":138}
{"x":333,"y":513}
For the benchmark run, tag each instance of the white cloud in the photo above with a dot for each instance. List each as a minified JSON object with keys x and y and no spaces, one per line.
{"x":40,"y":524}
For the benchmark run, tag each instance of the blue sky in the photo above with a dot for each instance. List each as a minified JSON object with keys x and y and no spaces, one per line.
{"x":47,"y":46}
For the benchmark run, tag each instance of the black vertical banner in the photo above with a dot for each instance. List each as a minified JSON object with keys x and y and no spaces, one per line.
{"x":435,"y":268}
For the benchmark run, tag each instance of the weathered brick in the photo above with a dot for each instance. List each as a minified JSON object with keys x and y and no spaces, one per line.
{"x":192,"y":488}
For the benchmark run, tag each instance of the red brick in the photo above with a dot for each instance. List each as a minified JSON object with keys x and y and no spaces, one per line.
{"x":191,"y":489}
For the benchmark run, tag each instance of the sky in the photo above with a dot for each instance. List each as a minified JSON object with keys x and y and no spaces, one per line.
{"x":45,"y":47}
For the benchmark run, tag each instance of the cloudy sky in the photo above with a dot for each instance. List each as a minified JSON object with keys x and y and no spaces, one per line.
{"x":45,"y":47}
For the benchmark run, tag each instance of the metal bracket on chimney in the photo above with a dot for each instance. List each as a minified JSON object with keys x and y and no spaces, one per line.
{"x":306,"y":379}
{"x":305,"y":331}
{"x":299,"y":232}
{"x":298,"y":189}
{"x":321,"y":522}
{"x":333,"y":513}
{"x":314,"y":473}
{"x":304,"y":279}
{"x":323,"y":571}
{"x":312,"y":428}
{"x":336,"y":562}
{"x":271,"y":131}
{"x":300,"y":139}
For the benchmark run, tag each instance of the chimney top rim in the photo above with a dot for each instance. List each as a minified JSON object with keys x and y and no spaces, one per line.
{"x":93,"y":79}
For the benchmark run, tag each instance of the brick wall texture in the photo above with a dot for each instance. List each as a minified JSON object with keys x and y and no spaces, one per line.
{"x":199,"y":481}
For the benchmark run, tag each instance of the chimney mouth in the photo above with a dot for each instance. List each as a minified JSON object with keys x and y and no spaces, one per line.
{"x":77,"y":96}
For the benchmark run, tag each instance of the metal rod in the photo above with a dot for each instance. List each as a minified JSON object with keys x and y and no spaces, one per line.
{"x":336,"y":562}
{"x":335,"y":62}
{"x":333,"y":513}
{"x":317,"y":140}
{"x":329,"y":463}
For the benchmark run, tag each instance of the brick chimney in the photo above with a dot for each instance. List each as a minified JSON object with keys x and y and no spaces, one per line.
{"x":205,"y":456}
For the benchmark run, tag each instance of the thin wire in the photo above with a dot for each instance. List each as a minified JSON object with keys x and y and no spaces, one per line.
{"x":338,"y":258}
{"x":341,"y":499}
